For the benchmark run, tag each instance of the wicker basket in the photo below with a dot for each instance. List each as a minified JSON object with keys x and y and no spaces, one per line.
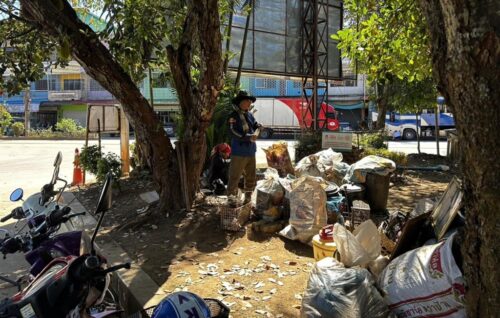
{"x":386,"y":244}
{"x":233,"y":219}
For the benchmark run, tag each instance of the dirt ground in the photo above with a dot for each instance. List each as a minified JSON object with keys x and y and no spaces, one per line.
{"x":256,"y":275}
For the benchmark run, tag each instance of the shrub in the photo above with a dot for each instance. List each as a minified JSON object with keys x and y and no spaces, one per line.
{"x":67,"y":125}
{"x":5,"y":119}
{"x":89,"y":158}
{"x":374,"y":140}
{"x":41,"y":133}
{"x":109,"y":163}
{"x":308,"y":144}
{"x":18,"y":129}
{"x":399,"y":158}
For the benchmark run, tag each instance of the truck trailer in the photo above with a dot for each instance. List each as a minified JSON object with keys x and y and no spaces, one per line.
{"x":286,"y":116}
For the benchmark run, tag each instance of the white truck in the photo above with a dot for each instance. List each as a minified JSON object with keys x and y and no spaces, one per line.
{"x":286,"y":115}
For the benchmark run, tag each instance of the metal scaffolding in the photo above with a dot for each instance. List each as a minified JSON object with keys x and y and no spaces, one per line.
{"x":315,"y":63}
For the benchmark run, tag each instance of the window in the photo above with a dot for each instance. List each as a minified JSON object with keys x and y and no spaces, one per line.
{"x":45,"y":85}
{"x":167,"y":116}
{"x":95,"y":86}
{"x":265,"y":83}
{"x":344,"y":83}
{"x":160,"y":81}
{"x":73,"y":84}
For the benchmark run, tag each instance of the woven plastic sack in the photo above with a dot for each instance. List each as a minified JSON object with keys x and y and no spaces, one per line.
{"x":268,"y":191}
{"x":335,"y":291}
{"x":307,"y":209}
{"x":425,"y":282}
{"x":360,"y":247}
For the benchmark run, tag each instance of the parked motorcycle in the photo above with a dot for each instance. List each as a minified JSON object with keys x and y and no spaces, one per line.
{"x":71,"y":286}
{"x":38,"y":205}
{"x":41,"y":245}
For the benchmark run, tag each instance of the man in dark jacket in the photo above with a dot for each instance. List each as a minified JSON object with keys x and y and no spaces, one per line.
{"x":243,"y":129}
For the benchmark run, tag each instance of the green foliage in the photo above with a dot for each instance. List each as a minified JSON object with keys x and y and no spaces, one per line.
{"x":27,"y":49}
{"x":375,"y":140}
{"x":41,"y":133}
{"x":412,"y":97}
{"x":217,"y":132}
{"x":99,"y":165}
{"x":5,"y":119}
{"x":48,"y":133}
{"x":89,"y":158}
{"x":18,"y":129}
{"x":399,"y":158}
{"x":109,"y":163}
{"x":67,"y":125}
{"x":308,"y":144}
{"x":389,"y":42}
{"x":386,"y":37}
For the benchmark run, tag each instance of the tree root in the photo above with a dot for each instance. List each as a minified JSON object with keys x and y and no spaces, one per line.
{"x":139,"y":220}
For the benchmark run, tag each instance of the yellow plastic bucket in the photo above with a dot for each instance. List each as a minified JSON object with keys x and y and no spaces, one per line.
{"x":323,"y":249}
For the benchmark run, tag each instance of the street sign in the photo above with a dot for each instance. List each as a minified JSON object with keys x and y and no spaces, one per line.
{"x":103,"y":118}
{"x":337,"y":140}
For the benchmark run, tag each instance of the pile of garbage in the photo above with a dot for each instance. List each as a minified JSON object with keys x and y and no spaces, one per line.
{"x":422,"y":277}
{"x":320,"y":190}
{"x":370,"y":263}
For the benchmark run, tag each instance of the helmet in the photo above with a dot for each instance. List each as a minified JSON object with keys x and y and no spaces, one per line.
{"x":182,"y":305}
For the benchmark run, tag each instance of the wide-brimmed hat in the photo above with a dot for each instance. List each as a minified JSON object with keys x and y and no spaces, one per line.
{"x":242,"y":95}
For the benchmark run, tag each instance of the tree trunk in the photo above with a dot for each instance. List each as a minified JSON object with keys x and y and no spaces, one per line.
{"x":198,"y":100}
{"x":465,"y":54}
{"x":97,"y":61}
{"x":382,"y":103}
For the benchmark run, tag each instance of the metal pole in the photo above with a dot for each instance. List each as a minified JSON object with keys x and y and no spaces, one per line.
{"x":243,"y":45}
{"x":27,"y":110}
{"x":124,"y":144}
{"x":436,"y":130}
{"x":228,"y":34}
{"x":315,"y":65}
{"x":151,"y":98}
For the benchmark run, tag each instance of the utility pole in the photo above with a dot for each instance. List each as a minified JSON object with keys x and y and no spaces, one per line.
{"x":27,"y":109}
{"x":151,"y":87}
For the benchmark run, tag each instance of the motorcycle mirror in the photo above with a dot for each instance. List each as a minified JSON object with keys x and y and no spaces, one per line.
{"x":106,"y":196}
{"x":57,"y":164}
{"x":16,"y":195}
{"x":104,"y":204}
{"x":58,"y":160}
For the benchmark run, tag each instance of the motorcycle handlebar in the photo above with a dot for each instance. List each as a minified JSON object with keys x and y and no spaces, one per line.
{"x":8,"y":216}
{"x":57,"y":216}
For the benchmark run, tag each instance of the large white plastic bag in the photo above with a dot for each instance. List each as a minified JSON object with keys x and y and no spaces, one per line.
{"x":266,"y":189}
{"x":308,"y":166}
{"x":326,"y":164}
{"x":369,"y":164}
{"x":360,"y":247}
{"x":335,"y":291}
{"x":307,"y":209}
{"x":425,"y":282}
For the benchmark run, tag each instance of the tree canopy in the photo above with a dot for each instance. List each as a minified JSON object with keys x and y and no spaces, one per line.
{"x":389,"y":42}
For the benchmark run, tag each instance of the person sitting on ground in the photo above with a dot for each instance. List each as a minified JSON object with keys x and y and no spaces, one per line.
{"x":219,"y":167}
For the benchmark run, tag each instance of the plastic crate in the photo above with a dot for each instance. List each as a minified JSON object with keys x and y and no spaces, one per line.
{"x":233,"y":219}
{"x":357,"y":214}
